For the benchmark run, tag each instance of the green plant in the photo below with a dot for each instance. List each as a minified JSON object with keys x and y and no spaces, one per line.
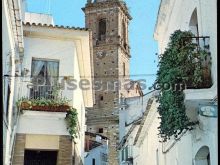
{"x":71,"y":120}
{"x":43,"y":102}
{"x":22,"y":100}
{"x":181,"y":63}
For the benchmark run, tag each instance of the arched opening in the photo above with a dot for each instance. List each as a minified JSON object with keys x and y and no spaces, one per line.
{"x":203,"y":43}
{"x":193,"y":24}
{"x":203,"y":156}
{"x":102,"y":29}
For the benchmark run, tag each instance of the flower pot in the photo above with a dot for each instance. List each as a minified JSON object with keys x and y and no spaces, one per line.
{"x":25,"y":106}
{"x":207,"y":80}
{"x":61,"y":108}
{"x":206,"y":72}
{"x":36,"y":108}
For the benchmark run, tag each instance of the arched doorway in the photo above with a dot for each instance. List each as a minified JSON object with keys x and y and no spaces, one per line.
{"x":203,"y":156}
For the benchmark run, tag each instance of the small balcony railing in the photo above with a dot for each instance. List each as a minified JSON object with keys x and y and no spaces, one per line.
{"x":39,"y":91}
{"x":44,"y":98}
{"x":202,"y":44}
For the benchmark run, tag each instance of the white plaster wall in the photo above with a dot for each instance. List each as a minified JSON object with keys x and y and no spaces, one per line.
{"x":135,"y":108}
{"x":38,"y":18}
{"x":44,"y":48}
{"x":45,"y":123}
{"x":79,"y":104}
{"x":183,"y":151}
{"x":148,"y":147}
{"x":96,"y":154}
{"x":8,"y":54}
{"x":177,"y":16}
{"x":180,"y":152}
{"x":82,"y":50}
{"x":65,"y":52}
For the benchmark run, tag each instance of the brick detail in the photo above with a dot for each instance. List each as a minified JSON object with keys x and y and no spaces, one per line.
{"x":65,"y":151}
{"x":18,"y":158}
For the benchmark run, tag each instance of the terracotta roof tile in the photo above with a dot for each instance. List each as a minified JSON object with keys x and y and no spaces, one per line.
{"x":54,"y":26}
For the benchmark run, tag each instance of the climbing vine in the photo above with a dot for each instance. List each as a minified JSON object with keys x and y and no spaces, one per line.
{"x":71,"y":120}
{"x":180,"y":66}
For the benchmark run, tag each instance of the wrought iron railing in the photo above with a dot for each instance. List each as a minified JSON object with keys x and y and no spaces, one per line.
{"x":202,"y":43}
{"x":42,"y":91}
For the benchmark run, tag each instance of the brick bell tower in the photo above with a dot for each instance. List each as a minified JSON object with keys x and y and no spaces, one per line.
{"x":108,"y":20}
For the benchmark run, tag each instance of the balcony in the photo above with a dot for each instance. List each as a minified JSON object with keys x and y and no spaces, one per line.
{"x":42,"y":91}
{"x":44,"y":98}
{"x":206,"y":89}
{"x":202,"y":45}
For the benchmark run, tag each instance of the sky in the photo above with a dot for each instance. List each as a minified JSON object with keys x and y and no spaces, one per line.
{"x":143,"y":62}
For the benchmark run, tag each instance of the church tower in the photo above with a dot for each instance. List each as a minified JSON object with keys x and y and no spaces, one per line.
{"x":108,"y":20}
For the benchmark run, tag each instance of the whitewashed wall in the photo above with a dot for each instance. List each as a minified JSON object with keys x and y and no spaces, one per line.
{"x":9,"y":55}
{"x":42,"y":123}
{"x":69,"y":52}
{"x":39,"y":18}
{"x":96,"y":154}
{"x":176,"y":15}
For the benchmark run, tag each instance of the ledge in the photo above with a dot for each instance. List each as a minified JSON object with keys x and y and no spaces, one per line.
{"x":201,"y":94}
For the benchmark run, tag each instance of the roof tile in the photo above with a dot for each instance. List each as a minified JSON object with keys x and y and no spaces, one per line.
{"x":54,"y":26}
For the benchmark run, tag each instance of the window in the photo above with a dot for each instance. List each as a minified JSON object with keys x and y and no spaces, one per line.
{"x":93,"y":161}
{"x":208,"y":159}
{"x":100,"y":130}
{"x":44,"y":75}
{"x":46,"y":69}
{"x":203,"y":156}
{"x":101,"y":97}
{"x":102,"y":29}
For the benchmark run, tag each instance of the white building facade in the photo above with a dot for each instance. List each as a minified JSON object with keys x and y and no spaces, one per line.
{"x":134,"y":114}
{"x":63,"y":53}
{"x":62,"y":56}
{"x":199,"y":146}
{"x":12,"y":56}
{"x":195,"y":147}
{"x":96,"y":149}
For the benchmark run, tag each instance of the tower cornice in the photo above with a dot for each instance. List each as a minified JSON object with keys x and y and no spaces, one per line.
{"x":106,"y":4}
